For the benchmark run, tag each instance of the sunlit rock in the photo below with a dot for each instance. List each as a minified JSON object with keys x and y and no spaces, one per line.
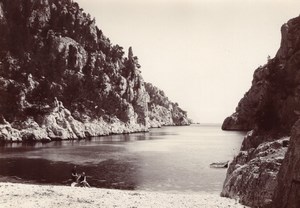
{"x":61,"y":78}
{"x":255,"y":169}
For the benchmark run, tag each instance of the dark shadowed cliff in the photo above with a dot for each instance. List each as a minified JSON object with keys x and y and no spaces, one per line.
{"x":61,"y":78}
{"x":270,"y":110}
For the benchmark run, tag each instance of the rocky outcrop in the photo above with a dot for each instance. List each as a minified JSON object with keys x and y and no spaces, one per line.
{"x":59,"y":124}
{"x":163,"y":112}
{"x":234,"y":123}
{"x":287,"y":193}
{"x":61,"y":78}
{"x":255,"y":169}
{"x":270,"y":109}
{"x":273,"y":99}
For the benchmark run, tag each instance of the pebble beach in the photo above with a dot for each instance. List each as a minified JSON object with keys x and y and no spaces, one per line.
{"x":38,"y":196}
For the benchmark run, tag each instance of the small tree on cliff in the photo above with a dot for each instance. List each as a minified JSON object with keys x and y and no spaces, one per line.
{"x":117,"y":53}
{"x":10,"y":97}
{"x":131,"y":64}
{"x":42,"y":94}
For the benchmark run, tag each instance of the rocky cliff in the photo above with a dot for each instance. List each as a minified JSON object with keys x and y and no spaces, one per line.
{"x":287,"y":192}
{"x":162,"y":111}
{"x":270,"y":109}
{"x":61,"y":78}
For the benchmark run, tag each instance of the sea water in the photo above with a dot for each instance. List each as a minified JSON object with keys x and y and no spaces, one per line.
{"x":164,"y":159}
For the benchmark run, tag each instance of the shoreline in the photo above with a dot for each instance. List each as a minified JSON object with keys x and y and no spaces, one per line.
{"x":3,"y":142}
{"x":50,"y":196}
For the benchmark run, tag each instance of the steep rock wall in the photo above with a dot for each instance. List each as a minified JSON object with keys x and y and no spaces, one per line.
{"x":270,"y":109}
{"x":53,"y":54}
{"x":287,"y":193}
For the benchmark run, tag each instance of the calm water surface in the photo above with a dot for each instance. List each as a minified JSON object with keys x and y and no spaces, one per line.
{"x":165,"y":159}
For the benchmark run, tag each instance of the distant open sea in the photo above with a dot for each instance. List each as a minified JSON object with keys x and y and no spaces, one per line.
{"x":165,"y":159}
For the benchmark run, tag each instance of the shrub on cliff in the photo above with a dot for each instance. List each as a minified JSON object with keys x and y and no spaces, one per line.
{"x":50,"y":51}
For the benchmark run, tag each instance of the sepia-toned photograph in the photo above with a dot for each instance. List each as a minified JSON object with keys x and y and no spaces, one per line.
{"x":150,"y":103}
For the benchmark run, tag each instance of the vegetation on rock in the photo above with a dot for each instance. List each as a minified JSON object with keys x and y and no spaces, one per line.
{"x":54,"y":58}
{"x":162,"y":111}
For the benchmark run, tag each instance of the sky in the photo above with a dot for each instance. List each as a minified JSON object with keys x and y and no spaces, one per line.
{"x":201,"y":53}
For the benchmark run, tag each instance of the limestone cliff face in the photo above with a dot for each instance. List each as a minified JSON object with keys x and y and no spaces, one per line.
{"x":162,"y":111}
{"x":252,"y":175}
{"x":61,"y":78}
{"x":273,"y":99}
{"x":270,"y":109}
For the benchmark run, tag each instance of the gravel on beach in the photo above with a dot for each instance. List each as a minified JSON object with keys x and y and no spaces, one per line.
{"x":39,"y":196}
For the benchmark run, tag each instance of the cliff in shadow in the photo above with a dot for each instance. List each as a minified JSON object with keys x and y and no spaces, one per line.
{"x":287,"y":192}
{"x":61,"y":78}
{"x":270,"y":110}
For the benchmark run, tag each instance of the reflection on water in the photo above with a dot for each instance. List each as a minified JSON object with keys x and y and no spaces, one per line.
{"x":166,"y":159}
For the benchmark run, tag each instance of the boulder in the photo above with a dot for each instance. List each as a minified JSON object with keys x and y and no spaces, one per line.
{"x":252,"y":175}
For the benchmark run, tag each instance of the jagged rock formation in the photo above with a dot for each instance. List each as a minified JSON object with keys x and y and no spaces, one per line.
{"x":270,"y":109}
{"x":273,"y":99}
{"x":287,"y":193}
{"x":255,"y":169}
{"x":162,"y":111}
{"x":61,"y":78}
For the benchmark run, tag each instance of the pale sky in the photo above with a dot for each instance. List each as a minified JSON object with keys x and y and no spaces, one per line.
{"x":201,"y":53}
